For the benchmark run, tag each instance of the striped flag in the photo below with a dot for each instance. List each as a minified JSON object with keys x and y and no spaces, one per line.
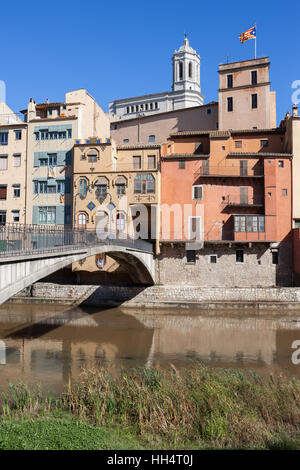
{"x":250,"y":34}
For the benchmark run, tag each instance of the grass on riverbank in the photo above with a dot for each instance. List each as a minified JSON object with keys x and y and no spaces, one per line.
{"x":198,"y":408}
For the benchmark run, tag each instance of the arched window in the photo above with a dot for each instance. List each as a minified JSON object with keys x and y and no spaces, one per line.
{"x":92,"y":155}
{"x":82,"y":187}
{"x":180,"y":71}
{"x":82,"y":220}
{"x":190,"y":70}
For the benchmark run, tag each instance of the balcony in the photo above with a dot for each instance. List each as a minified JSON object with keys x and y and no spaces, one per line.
{"x":242,"y":201}
{"x":233,"y":171}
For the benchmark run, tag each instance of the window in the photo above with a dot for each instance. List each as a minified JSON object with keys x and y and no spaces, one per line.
{"x":3,"y":192}
{"x":230,"y":104}
{"x":197,"y":192}
{"x":243,"y":195}
{"x":52,"y":159}
{"x":3,"y":138}
{"x":82,"y":220}
{"x":151,"y":138}
{"x":238,"y":144}
{"x":144,"y":183}
{"x":156,"y":105}
{"x":274,"y":257}
{"x":2,"y":217}
{"x":47,"y":215}
{"x":127,"y":109}
{"x":92,"y":157}
{"x":151,"y":159}
{"x":280,"y":164}
{"x":17,"y":160}
{"x":101,"y":189}
{"x":229,"y":81}
{"x":180,"y":71}
{"x":42,"y":187}
{"x":191,"y":256}
{"x":43,"y":161}
{"x":254,"y":77}
{"x":249,"y":223}
{"x":18,"y":135}
{"x":181,"y":165}
{"x":16,"y":190}
{"x":213,"y":259}
{"x":125,"y":141}
{"x":61,"y":188}
{"x":264,"y":143}
{"x":190,"y":70}
{"x":16,"y":216}
{"x":254,"y":101}
{"x":284,"y":192}
{"x":83,"y":187}
{"x":136,"y":163}
{"x":3,"y":162}
{"x":208,"y":111}
{"x":239,"y":256}
{"x":121,"y":189}
{"x":82,"y":156}
{"x":243,"y":167}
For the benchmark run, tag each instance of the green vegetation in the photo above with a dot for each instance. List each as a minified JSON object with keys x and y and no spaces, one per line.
{"x":153,"y":408}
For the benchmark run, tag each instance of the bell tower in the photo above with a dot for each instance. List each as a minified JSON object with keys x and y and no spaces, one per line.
{"x":186,"y":68}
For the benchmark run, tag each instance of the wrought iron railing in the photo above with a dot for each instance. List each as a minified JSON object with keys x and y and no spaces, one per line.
{"x":19,"y":239}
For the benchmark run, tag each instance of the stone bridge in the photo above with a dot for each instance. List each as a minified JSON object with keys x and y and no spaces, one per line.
{"x":28,"y":256}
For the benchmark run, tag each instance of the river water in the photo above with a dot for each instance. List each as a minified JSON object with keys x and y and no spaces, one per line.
{"x":47,"y":344}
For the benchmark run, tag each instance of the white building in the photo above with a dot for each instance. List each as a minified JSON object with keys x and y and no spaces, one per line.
{"x":186,"y":90}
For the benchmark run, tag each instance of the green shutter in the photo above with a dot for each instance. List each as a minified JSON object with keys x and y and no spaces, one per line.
{"x":35,"y":215}
{"x":60,"y":215}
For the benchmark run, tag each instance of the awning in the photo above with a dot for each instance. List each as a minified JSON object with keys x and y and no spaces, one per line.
{"x":121,"y":180}
{"x":101,"y":180}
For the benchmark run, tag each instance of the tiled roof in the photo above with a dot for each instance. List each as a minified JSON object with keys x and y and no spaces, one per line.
{"x":185,"y":155}
{"x":138,"y":146}
{"x":259,"y":154}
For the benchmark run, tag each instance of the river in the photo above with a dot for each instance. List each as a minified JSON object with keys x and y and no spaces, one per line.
{"x":49,"y":344}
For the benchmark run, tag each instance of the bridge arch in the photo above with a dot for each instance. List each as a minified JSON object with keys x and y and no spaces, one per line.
{"x":16,"y":273}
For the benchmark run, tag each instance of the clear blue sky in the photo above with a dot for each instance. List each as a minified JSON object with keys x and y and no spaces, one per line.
{"x":123,"y":48}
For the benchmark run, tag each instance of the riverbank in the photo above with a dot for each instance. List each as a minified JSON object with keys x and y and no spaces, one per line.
{"x":264,"y":298}
{"x":155,"y":408}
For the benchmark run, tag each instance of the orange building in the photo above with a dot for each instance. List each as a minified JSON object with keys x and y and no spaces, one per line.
{"x":226,"y":208}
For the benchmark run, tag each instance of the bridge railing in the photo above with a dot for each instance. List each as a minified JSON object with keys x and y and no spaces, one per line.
{"x":18,"y":239}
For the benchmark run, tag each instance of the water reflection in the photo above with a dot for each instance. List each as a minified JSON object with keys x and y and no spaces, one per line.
{"x":49,"y":344}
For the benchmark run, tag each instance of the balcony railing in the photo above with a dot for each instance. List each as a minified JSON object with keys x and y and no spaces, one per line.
{"x":229,"y":171}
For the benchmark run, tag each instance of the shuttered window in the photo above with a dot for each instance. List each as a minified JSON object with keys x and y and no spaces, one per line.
{"x":3,"y":192}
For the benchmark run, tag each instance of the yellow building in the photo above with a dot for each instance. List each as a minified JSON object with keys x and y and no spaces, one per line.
{"x":117,"y":193}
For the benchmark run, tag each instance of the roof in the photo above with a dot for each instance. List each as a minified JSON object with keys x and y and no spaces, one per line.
{"x":260,"y":154}
{"x":138,"y":146}
{"x":227,"y":133}
{"x":121,"y":121}
{"x":176,"y":156}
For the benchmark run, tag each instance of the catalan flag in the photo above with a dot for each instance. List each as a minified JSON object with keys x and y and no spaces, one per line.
{"x":250,"y":34}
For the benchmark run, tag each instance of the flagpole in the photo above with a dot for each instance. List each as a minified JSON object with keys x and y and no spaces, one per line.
{"x":255,"y":43}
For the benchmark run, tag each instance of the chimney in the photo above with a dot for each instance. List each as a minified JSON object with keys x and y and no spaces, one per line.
{"x":31,"y":110}
{"x":295,"y":110}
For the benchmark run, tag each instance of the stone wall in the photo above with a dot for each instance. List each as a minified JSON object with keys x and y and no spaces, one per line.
{"x":160,"y":296}
{"x":257,"y":270}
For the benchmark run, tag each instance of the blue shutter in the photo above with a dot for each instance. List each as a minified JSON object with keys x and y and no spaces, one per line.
{"x":35,"y":215}
{"x":60,"y":215}
{"x":61,"y":158}
{"x":36,"y":159}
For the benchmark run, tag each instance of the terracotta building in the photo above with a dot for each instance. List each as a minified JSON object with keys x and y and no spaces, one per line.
{"x":232,"y":197}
